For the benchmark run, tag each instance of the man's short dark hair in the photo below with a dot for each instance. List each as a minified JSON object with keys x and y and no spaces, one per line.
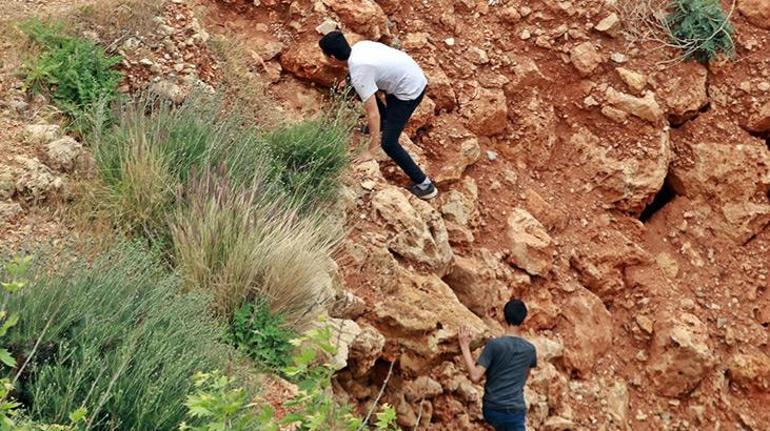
{"x":515,"y":312}
{"x":335,"y":45}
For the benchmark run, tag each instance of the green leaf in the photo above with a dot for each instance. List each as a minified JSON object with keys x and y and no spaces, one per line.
{"x":6,"y":358}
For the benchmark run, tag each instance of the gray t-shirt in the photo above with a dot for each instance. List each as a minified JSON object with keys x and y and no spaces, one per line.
{"x":507,"y":360}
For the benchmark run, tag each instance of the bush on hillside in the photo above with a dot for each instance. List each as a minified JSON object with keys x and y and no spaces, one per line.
{"x":700,"y":28}
{"x":243,"y":244}
{"x":261,"y":335}
{"x":113,"y":337}
{"x":75,"y":72}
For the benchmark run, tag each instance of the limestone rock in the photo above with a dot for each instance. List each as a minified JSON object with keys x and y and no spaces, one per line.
{"x":362,"y":16}
{"x":326,"y":27}
{"x":169,"y":90}
{"x":475,"y":282}
{"x":750,"y":371}
{"x":36,"y":182}
{"x":531,"y":246}
{"x":609,"y":25}
{"x":548,"y":350}
{"x":346,"y":305}
{"x":683,"y":90}
{"x":729,"y":170}
{"x":440,"y":89}
{"x":487,"y":115}
{"x":364,"y":351}
{"x":586,"y":330}
{"x":421,"y":388}
{"x":452,"y":169}
{"x":7,"y":183}
{"x":417,"y":231}
{"x":646,"y":107}
{"x":62,"y":154}
{"x":42,"y":133}
{"x":9,"y":211}
{"x":680,"y":356}
{"x":757,"y":12}
{"x":760,"y":121}
{"x":585,"y":58}
{"x":635,"y":81}
{"x":628,"y":183}
{"x":459,"y":204}
{"x":343,"y":332}
{"x":601,"y":267}
{"x":617,"y":403}
{"x":558,"y":423}
{"x":305,"y":60}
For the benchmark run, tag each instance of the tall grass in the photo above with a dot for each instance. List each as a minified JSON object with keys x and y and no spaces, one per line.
{"x":244,"y":244}
{"x":115,"y":337}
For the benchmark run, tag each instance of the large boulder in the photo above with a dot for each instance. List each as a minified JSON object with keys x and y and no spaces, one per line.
{"x":760,"y":121}
{"x":726,"y":168}
{"x":453,"y":168}
{"x":475,"y":281}
{"x":680,"y":356}
{"x":630,"y":178}
{"x":531,"y":247}
{"x":362,"y":16}
{"x":415,"y":230}
{"x":683,"y":90}
{"x":757,"y":12}
{"x":586,"y":328}
{"x":487,"y":114}
{"x":305,"y":60}
{"x":41,"y":133}
{"x":458,"y":207}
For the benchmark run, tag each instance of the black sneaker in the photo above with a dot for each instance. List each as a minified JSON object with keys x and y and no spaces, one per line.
{"x":424,"y":193}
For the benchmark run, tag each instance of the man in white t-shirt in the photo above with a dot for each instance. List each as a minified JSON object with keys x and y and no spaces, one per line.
{"x":377,"y":67}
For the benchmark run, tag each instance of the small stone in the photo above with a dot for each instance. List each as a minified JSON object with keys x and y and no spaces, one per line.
{"x":764,"y":86}
{"x":368,"y":185}
{"x":645,"y":323}
{"x":146,"y":62}
{"x":590,"y":102}
{"x":609,"y":25}
{"x":525,"y":35}
{"x":450,"y":41}
{"x":525,"y":11}
{"x":491,"y":155}
{"x":327,"y":27}
{"x":618,"y":57}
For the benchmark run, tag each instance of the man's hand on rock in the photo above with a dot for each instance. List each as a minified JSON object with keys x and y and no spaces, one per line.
{"x":364,"y":157}
{"x":464,"y":336}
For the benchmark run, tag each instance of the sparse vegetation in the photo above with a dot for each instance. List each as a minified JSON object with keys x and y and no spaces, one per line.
{"x":700,"y":29}
{"x":114,"y":337}
{"x":75,"y":72}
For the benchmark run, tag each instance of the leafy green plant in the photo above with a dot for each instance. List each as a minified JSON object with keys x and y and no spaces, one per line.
{"x":113,"y":337}
{"x":220,"y":404}
{"x":700,"y":28}
{"x":75,"y":72}
{"x":261,"y":334}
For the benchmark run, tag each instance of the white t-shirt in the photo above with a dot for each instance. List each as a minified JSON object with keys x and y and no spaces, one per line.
{"x":375,"y":66}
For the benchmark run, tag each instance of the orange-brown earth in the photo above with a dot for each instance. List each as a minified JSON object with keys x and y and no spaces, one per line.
{"x":622,"y":194}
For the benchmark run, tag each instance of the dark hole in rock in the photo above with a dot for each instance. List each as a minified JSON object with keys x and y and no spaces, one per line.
{"x":665,"y":195}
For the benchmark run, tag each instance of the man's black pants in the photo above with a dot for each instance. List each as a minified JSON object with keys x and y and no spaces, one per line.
{"x":394,"y":114}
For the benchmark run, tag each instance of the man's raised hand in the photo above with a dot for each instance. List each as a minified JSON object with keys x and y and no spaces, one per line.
{"x":464,"y":336}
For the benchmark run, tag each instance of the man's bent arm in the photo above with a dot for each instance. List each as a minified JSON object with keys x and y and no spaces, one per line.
{"x":476,"y":372}
{"x":373,"y":117}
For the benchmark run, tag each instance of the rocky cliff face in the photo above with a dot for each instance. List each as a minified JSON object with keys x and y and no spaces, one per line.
{"x":624,"y":196}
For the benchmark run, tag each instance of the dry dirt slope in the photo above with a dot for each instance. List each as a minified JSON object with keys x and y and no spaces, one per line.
{"x":624,"y":196}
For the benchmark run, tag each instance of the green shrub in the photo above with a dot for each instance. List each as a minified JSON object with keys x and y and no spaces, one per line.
{"x":244,"y":244}
{"x":75,"y":72}
{"x":700,"y":28}
{"x":261,"y":335}
{"x":307,"y":158}
{"x":113,"y":337}
{"x":219,"y":404}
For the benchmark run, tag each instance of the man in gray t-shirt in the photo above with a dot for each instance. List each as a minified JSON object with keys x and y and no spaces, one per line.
{"x":506,"y":361}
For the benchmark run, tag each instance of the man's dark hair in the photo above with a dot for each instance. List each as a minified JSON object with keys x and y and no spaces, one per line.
{"x":515,"y":312}
{"x":335,"y":45}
